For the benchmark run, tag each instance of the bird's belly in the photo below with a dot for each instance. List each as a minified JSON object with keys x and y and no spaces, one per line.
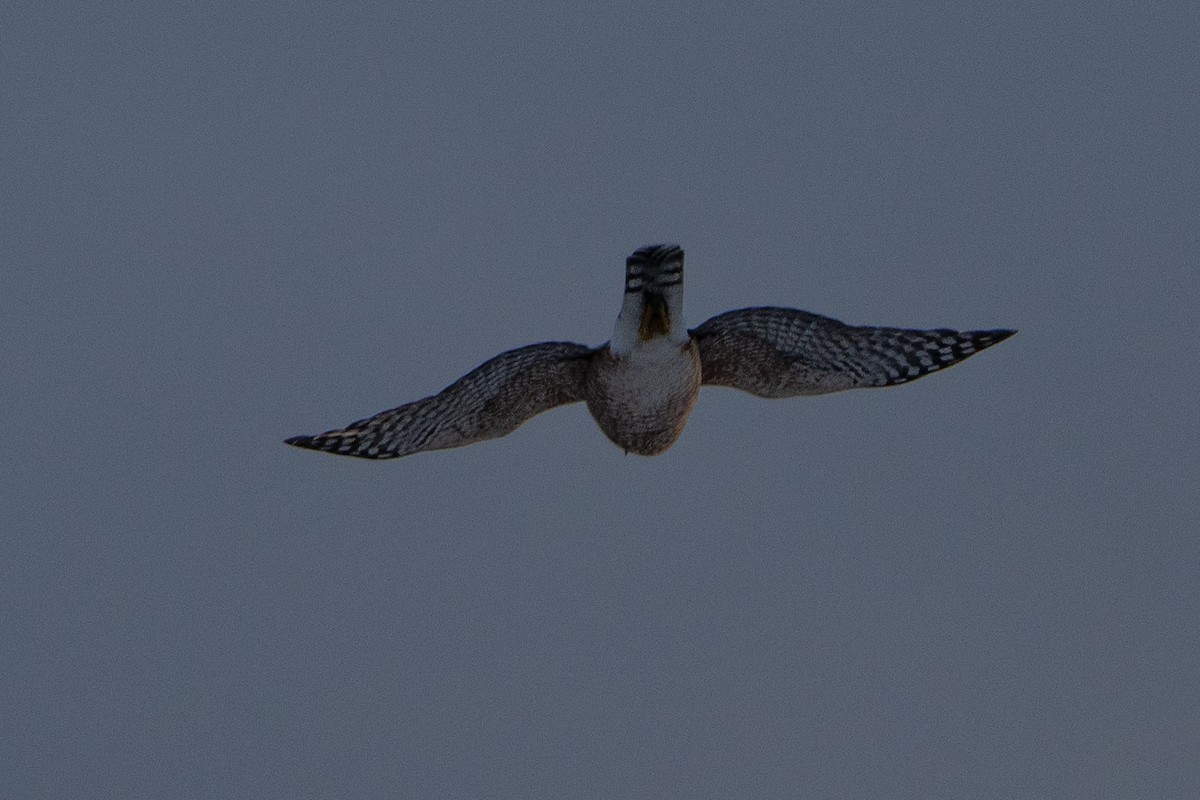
{"x":642,"y":404}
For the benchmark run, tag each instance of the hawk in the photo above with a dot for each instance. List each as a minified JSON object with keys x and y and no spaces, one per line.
{"x":641,"y":385}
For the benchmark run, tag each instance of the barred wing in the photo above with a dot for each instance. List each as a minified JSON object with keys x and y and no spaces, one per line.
{"x":783,"y":352}
{"x":488,"y":402}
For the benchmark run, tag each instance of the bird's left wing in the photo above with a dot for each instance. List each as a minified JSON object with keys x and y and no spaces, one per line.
{"x":784,"y":352}
{"x":489,"y":401}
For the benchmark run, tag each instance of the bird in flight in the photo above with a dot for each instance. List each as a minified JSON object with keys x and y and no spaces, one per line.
{"x":641,"y":385}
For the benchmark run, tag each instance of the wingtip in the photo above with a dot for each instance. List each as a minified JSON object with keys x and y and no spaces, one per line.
{"x":299,"y":441}
{"x":988,"y":338}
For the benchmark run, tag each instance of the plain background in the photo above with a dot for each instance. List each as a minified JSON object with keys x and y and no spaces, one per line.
{"x":224,"y":224}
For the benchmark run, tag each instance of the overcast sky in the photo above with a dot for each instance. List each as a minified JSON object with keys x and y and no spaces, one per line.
{"x":225,"y":224}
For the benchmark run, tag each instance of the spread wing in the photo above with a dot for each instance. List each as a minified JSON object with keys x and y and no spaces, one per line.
{"x":783,"y":352}
{"x":489,"y":401}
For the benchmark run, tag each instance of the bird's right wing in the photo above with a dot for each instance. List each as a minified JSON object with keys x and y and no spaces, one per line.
{"x":489,"y":401}
{"x":783,"y":352}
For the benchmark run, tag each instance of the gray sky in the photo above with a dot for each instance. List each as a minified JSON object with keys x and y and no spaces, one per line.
{"x":224,"y":225}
